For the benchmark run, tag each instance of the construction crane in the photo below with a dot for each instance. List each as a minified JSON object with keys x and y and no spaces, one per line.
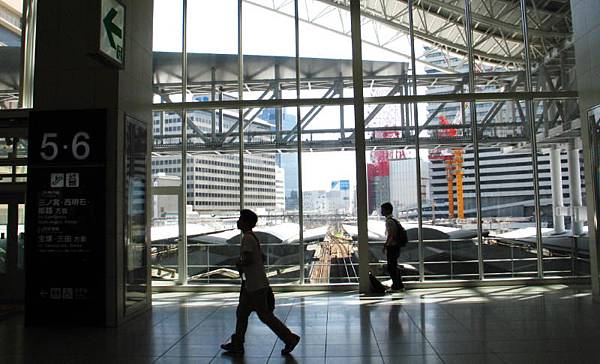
{"x":453,"y":159}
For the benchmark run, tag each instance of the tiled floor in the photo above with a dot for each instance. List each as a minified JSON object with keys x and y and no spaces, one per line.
{"x":549,"y":324}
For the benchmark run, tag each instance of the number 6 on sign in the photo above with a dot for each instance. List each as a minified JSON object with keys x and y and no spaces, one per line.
{"x":76,"y":145}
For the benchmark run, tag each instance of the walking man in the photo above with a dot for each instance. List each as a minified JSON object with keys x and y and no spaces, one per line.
{"x":255,"y":294}
{"x":391,"y":247}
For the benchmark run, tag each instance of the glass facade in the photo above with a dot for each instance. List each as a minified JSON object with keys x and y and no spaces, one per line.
{"x":471,"y":132}
{"x":11,"y":31}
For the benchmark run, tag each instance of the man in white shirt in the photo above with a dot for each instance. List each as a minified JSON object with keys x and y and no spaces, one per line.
{"x":255,"y":294}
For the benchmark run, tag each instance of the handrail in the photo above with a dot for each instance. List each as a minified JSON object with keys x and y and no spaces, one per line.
{"x":349,"y":266}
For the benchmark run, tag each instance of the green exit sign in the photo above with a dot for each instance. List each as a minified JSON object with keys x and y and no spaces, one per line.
{"x":112,"y":31}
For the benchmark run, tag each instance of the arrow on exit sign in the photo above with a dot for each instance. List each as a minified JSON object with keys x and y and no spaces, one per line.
{"x":111,"y":28}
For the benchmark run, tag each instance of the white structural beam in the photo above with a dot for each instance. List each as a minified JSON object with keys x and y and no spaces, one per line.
{"x":557,"y":190}
{"x":575,"y":188}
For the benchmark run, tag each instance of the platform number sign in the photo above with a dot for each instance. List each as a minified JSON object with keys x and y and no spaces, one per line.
{"x":79,"y":147}
{"x":65,"y":217}
{"x":112,"y":31}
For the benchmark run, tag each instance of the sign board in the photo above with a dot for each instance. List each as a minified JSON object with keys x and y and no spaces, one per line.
{"x":342,"y":185}
{"x":112,"y":31}
{"x":65,"y":217}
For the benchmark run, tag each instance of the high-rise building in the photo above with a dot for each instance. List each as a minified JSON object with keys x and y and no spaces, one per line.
{"x":288,"y":161}
{"x":338,"y":197}
{"x":506,"y":175}
{"x":403,"y":179}
{"x":213,"y":179}
{"x":279,"y":189}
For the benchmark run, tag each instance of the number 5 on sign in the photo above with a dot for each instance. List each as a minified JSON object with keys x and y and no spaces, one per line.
{"x":46,"y":143}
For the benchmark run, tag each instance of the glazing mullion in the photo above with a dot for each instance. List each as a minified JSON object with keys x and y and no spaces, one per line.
{"x":531,"y":120}
{"x":240,"y":98}
{"x":27,"y":53}
{"x":299,"y":146}
{"x":361,"y":160}
{"x":182,"y":246}
{"x":473,"y":115}
{"x":417,"y":143}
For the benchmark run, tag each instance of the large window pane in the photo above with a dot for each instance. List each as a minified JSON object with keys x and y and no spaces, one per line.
{"x":508,"y":210}
{"x":325,"y":51}
{"x":441,"y":49}
{"x":213,"y":206}
{"x":330,"y":234}
{"x":266,"y":192}
{"x":449,"y":231}
{"x":498,"y":48}
{"x":327,"y":126}
{"x":562,"y":188}
{"x":552,"y":54}
{"x":269,"y":46}
{"x":164,"y":235}
{"x":13,"y":151}
{"x":392,"y":177}
{"x":213,"y":195}
{"x":450,"y":224}
{"x":11,"y":13}
{"x":502,"y":121}
{"x":167,"y":45}
{"x":212,"y":50}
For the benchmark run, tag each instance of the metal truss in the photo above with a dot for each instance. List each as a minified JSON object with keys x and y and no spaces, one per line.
{"x":499,"y":66}
{"x":497,"y":35}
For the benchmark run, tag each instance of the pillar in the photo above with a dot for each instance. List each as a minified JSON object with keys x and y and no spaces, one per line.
{"x":575,"y":188}
{"x":71,"y":77}
{"x":557,"y":191}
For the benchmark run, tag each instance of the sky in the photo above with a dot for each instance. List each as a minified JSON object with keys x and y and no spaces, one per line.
{"x":212,"y":28}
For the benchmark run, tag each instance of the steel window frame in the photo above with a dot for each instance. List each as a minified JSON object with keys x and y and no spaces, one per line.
{"x":359,"y":101}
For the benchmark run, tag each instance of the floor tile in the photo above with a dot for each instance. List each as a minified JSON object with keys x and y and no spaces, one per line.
{"x":404,"y":349}
{"x":355,"y":360}
{"x":462,"y":347}
{"x":234,"y":359}
{"x":413,"y":359}
{"x":471,"y":359}
{"x":429,"y":326}
{"x":344,"y":350}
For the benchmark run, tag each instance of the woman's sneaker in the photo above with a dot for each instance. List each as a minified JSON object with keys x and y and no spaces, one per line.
{"x":291,"y":345}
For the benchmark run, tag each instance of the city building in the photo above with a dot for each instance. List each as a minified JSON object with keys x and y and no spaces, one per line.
{"x":507,"y":183}
{"x":213,"y":181}
{"x":279,"y":189}
{"x":403,"y":178}
{"x":288,"y":161}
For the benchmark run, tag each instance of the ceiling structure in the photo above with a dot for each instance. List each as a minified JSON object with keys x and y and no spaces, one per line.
{"x":497,"y":33}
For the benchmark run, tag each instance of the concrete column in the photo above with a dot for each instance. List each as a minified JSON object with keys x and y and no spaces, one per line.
{"x":575,"y":187}
{"x":557,"y":191}
{"x":70,"y":75}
